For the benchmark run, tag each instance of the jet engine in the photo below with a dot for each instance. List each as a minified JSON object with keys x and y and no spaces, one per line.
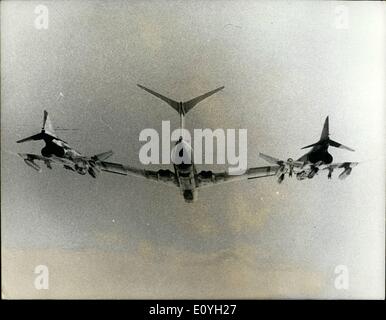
{"x":165,"y":175}
{"x":51,"y":150}
{"x":206,"y":177}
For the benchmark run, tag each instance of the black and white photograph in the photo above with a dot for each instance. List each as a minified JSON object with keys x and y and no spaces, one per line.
{"x":177,"y":150}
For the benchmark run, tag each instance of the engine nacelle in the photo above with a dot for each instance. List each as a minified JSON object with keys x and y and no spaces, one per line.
{"x":165,"y":175}
{"x":46,"y":152}
{"x":345,"y":173}
{"x":206,"y":174}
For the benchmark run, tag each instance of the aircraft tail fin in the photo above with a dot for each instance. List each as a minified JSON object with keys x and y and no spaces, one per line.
{"x":325,"y":139}
{"x":47,"y":130}
{"x":181,"y":107}
{"x":326,"y":130}
{"x":47,"y":125}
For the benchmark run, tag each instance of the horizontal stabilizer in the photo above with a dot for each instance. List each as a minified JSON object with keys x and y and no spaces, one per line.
{"x":311,"y":145}
{"x":339,"y":145}
{"x":191,"y":103}
{"x":181,"y":107}
{"x":170,"y":102}
{"x":329,"y":142}
{"x":39,"y":136}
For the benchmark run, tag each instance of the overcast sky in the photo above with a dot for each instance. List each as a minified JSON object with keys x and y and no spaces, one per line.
{"x":285,"y":67}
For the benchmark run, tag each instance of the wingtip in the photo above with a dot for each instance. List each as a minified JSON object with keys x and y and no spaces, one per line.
{"x":20,"y":141}
{"x":219,"y":88}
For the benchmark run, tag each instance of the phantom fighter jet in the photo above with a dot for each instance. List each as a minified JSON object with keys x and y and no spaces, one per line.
{"x":318,"y":158}
{"x":185,"y":176}
{"x":57,"y":151}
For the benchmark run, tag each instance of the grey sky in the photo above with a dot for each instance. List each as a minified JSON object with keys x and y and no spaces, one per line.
{"x":285,"y":67}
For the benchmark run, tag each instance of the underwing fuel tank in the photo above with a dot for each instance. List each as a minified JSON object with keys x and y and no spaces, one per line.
{"x":33,"y":165}
{"x":345,"y":173}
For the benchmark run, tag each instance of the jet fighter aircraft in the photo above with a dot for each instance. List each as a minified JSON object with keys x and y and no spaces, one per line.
{"x":57,"y":151}
{"x":184,"y":175}
{"x":318,"y":158}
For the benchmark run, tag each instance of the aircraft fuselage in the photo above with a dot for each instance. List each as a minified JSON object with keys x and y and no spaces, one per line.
{"x":59,"y":148}
{"x":185,"y":170}
{"x":318,"y":154}
{"x":56,"y":147}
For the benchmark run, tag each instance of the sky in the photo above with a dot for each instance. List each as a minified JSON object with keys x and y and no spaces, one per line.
{"x":285,"y":67}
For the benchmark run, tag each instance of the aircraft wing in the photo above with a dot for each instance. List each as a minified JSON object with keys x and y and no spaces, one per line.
{"x":30,"y":159}
{"x":165,"y":176}
{"x":209,"y":178}
{"x":94,"y":162}
{"x":294,"y":163}
{"x":344,"y":165}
